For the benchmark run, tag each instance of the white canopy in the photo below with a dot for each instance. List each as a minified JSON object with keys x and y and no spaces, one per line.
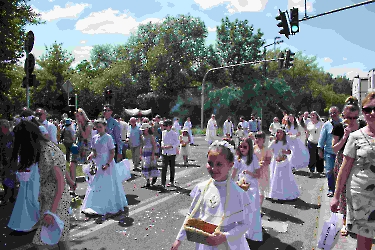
{"x":134,"y":112}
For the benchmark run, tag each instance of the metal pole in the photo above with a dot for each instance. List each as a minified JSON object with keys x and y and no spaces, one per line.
{"x":223,"y":67}
{"x":337,"y":10}
{"x":27,"y":85}
{"x":76,"y":104}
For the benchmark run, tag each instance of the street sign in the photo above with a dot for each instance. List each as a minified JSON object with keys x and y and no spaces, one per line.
{"x":67,"y":86}
{"x":29,"y":64}
{"x":29,"y":41}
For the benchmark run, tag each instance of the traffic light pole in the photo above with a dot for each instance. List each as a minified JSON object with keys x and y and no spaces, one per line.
{"x":337,"y":10}
{"x":27,"y":86}
{"x":224,"y":67}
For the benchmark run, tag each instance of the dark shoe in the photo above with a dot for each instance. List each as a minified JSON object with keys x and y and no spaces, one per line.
{"x":330,"y":194}
{"x":148,"y":185}
{"x":311,"y":175}
{"x":101,"y":219}
{"x":154,"y":181}
{"x":171,"y":184}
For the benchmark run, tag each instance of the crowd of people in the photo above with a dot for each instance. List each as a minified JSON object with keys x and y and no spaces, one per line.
{"x":245,"y":168}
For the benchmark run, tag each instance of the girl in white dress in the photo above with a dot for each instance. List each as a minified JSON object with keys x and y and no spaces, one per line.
{"x":300,"y":154}
{"x":247,"y":167}
{"x":283,"y":185}
{"x":185,"y":145}
{"x":189,"y":126}
{"x":217,"y":196}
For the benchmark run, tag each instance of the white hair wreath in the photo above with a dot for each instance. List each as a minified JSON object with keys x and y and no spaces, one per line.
{"x":18,"y":120}
{"x":223,"y":144}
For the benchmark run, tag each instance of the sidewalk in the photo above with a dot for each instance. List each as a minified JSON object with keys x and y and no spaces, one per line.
{"x":344,"y":242}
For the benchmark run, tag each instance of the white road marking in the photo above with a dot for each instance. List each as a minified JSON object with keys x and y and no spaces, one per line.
{"x":132,"y":212}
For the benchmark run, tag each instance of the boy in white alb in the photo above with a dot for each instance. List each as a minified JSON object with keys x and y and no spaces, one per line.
{"x":218,"y":196}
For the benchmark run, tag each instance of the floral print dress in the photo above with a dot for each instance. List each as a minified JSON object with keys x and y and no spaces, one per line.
{"x":52,"y":156}
{"x":361,"y":184}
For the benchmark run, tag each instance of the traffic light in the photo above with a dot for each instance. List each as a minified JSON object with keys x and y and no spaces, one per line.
{"x":108,"y":95}
{"x":283,"y":24}
{"x":289,"y":59}
{"x":32,"y":81}
{"x":281,"y":60}
{"x":72,"y":101}
{"x":294,"y":22}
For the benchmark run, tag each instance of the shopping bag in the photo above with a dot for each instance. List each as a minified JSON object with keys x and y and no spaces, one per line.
{"x":330,"y":232}
{"x":123,"y":170}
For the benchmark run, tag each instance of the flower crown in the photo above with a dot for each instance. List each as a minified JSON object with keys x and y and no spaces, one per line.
{"x":224,"y":144}
{"x":19,"y":119}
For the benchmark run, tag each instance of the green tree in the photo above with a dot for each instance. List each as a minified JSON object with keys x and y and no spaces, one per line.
{"x":54,"y":71}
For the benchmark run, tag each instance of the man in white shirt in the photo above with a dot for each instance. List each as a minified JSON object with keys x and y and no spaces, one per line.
{"x":51,"y":128}
{"x":169,"y":145}
{"x":275,"y":125}
{"x":177,"y":126}
{"x":228,"y":127}
{"x":245,"y":126}
{"x":124,"y":131}
{"x":211,"y":130}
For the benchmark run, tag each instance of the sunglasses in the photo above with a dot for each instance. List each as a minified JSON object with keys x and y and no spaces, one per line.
{"x":333,"y":113}
{"x":106,"y":110}
{"x":352,"y":118}
{"x":368,"y":110}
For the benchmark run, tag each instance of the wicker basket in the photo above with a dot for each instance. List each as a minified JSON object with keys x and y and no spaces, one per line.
{"x":198,"y":230}
{"x":244,"y":186}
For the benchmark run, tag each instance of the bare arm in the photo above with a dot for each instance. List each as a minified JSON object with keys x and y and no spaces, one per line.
{"x":60,"y":182}
{"x":337,"y":144}
{"x":343,"y":175}
{"x":87,"y":132}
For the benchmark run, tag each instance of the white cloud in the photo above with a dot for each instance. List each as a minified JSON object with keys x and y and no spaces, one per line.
{"x":69,"y":11}
{"x":212,"y":29}
{"x":51,"y":1}
{"x":81,"y":53}
{"x":234,"y":6}
{"x":348,"y":72}
{"x":82,"y":41}
{"x":110,"y":22}
{"x":328,"y":60}
{"x":344,"y":58}
{"x":300,"y":4}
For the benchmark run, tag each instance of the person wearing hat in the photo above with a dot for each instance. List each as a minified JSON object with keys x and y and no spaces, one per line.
{"x":68,"y":137}
{"x":105,"y":195}
{"x":211,"y":130}
{"x":148,"y":152}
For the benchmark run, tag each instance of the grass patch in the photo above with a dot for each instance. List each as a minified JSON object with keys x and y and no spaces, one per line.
{"x":198,"y":131}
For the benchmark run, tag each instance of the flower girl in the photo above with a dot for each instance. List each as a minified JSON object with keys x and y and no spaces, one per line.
{"x":219,"y":202}
{"x":283,"y":185}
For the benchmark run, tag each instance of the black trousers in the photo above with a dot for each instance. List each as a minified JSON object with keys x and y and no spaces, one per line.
{"x":171,"y":161}
{"x":315,"y":161}
{"x":67,"y":150}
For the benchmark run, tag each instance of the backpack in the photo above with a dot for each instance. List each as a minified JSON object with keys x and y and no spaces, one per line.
{"x":66,"y":136}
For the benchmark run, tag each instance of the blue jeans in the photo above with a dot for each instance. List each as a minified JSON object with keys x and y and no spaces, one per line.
{"x":330,"y":163}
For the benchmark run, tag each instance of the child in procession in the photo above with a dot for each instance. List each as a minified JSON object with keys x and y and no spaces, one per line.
{"x":239,"y":134}
{"x":105,"y":195}
{"x":247,"y":167}
{"x":283,"y":185}
{"x":149,"y":167}
{"x":185,"y":145}
{"x":217,"y":196}
{"x":264,"y":156}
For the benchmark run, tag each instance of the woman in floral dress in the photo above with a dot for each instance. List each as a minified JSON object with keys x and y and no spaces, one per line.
{"x":358,"y":172}
{"x":53,"y":195}
{"x":340,"y":134}
{"x":149,"y":165}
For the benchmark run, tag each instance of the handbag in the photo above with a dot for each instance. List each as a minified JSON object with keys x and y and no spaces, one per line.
{"x":331,"y":228}
{"x":198,"y":230}
{"x":74,"y":149}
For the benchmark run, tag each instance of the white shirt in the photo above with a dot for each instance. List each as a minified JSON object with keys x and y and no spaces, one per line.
{"x":228,"y":127}
{"x":176,"y":126}
{"x":52,"y":131}
{"x":124,"y":129}
{"x":274,"y":127}
{"x":314,"y":131}
{"x":170,"y":138}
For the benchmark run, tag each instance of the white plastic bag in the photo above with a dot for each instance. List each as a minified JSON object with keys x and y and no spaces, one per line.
{"x":123,"y":170}
{"x":331,"y":228}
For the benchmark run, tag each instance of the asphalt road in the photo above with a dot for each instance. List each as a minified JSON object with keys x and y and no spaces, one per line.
{"x":155,"y":218}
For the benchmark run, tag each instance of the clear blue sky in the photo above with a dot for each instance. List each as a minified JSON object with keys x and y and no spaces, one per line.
{"x":343,"y":42}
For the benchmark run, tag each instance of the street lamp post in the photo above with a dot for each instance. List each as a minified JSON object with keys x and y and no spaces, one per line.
{"x":223,"y":67}
{"x":265,"y":51}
